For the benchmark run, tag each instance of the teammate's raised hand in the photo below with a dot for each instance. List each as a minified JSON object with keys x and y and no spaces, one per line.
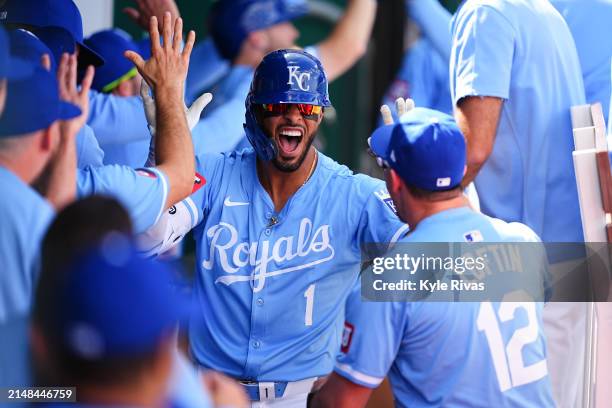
{"x":145,"y":9}
{"x":167,"y":67}
{"x":401,"y":106}
{"x":68,"y":92}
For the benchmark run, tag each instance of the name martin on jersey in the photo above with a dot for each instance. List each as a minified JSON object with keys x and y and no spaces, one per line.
{"x":227,"y":254}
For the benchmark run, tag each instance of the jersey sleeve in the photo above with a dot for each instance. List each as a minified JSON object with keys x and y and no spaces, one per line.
{"x":142,"y":192}
{"x":89,"y":152}
{"x":117,"y":119}
{"x":378,"y":223}
{"x":482,"y":53}
{"x":371,"y":340}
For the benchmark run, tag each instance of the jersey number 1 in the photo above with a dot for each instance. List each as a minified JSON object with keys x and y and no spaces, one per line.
{"x":309,"y":295}
{"x":508,"y":362}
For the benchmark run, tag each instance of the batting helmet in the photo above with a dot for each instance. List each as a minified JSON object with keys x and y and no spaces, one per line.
{"x":231,"y":21}
{"x":283,"y":76}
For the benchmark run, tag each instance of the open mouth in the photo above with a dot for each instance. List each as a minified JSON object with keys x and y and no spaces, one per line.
{"x":289,"y":140}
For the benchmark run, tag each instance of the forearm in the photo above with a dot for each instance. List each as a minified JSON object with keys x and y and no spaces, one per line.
{"x":58,"y":183}
{"x":349,"y":39}
{"x":478,"y":117}
{"x":173,"y":146}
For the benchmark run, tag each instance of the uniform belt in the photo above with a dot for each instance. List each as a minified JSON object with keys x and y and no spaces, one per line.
{"x":267,"y":391}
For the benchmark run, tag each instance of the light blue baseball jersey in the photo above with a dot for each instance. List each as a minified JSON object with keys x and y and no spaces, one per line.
{"x":25,"y":218}
{"x":271,"y":287}
{"x":451,"y":354}
{"x":142,"y":192}
{"x":589,"y":22}
{"x":88,"y":150}
{"x":523,"y":52}
{"x":120,"y":126}
{"x":206,"y":68}
{"x":423,"y":77}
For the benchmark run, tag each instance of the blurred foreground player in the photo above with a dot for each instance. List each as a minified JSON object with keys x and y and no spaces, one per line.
{"x":439,"y":353}
{"x":111,"y":317}
{"x":93,"y":222}
{"x":278,"y":230}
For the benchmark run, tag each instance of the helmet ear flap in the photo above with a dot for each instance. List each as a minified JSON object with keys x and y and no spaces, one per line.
{"x":263,"y":146}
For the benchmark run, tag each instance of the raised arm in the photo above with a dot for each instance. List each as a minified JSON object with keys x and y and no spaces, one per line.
{"x":349,"y":39}
{"x":165,"y":72}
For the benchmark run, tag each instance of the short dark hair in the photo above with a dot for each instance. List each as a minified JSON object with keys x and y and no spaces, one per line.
{"x":439,"y":195}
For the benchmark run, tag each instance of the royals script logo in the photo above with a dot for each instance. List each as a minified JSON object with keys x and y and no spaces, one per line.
{"x":312,"y":246}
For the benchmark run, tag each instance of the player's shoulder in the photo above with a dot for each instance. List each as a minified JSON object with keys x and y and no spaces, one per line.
{"x":513,"y":231}
{"x":341,"y":175}
{"x":209,"y":161}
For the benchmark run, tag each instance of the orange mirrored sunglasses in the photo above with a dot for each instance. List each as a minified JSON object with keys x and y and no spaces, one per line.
{"x":281,"y":108}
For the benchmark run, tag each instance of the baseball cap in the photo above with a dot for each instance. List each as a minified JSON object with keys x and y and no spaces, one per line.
{"x":426,"y":149}
{"x":111,"y":45}
{"x":51,"y":13}
{"x":33,"y":104}
{"x":28,"y":46}
{"x":231,"y":21}
{"x":11,"y":67}
{"x":113,"y":302}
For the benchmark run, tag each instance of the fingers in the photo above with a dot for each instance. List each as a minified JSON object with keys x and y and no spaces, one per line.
{"x":178,"y":35}
{"x":400,"y":106}
{"x":386,"y":115}
{"x":189,"y":45}
{"x":62,"y":71}
{"x":133,"y":14}
{"x":72,"y":75}
{"x":167,"y":31}
{"x":45,"y":61}
{"x":199,"y":104}
{"x":409,"y":104}
{"x":136,"y":60}
{"x":154,"y":35}
{"x":87,"y":80}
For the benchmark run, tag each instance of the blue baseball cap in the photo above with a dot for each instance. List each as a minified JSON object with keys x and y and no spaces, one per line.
{"x":51,"y":13}
{"x":426,"y":149}
{"x":28,"y":46}
{"x":231,"y":21}
{"x":111,"y":45}
{"x":33,"y":104}
{"x":11,"y":67}
{"x":115,"y":303}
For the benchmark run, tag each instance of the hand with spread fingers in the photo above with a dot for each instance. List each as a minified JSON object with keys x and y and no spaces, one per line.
{"x":69,"y":92}
{"x":401,"y":106}
{"x":166,"y":70}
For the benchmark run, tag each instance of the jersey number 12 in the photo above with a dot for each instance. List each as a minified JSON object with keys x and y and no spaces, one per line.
{"x":508,"y":361}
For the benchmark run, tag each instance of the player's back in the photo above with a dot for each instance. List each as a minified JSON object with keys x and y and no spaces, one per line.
{"x":477,"y":354}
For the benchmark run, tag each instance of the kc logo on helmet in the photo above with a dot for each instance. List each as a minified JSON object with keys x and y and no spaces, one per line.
{"x":301,"y":78}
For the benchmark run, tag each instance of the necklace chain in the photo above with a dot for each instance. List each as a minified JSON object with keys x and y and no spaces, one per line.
{"x":312,"y":167}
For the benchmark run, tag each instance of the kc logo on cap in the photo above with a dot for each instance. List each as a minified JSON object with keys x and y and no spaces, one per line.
{"x":301,"y":78}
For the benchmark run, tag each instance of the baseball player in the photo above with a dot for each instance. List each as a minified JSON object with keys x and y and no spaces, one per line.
{"x":439,"y":353}
{"x":278,"y":230}
{"x":29,"y":47}
{"x":10,"y":67}
{"x":118,"y":77}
